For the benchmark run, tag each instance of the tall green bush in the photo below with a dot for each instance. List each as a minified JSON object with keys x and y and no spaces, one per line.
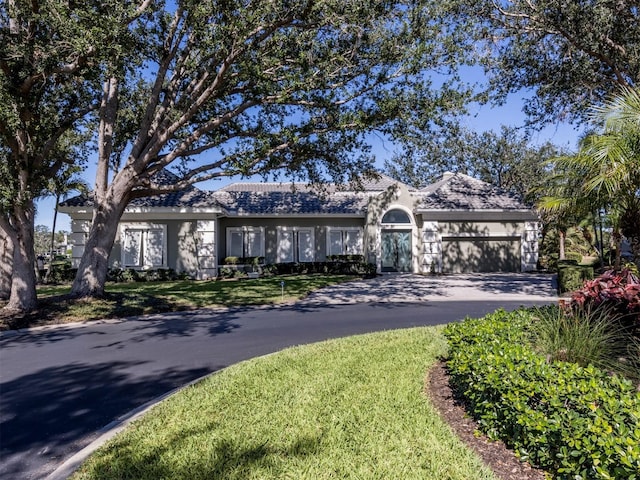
{"x":572,"y":277}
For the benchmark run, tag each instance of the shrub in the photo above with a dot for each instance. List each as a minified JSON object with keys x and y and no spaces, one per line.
{"x":618,"y":291}
{"x":355,"y":258}
{"x":243,"y":260}
{"x":576,"y":257}
{"x":572,"y":277}
{"x":132,"y":275}
{"x":586,"y":336}
{"x":226,"y":272}
{"x":60,"y":272}
{"x":576,"y":422}
{"x":308,"y":268}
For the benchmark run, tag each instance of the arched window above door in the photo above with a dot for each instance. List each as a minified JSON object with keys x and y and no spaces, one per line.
{"x":396,"y":216}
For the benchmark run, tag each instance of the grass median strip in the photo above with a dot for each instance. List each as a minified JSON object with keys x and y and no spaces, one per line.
{"x":349,"y":408}
{"x":128,"y":299}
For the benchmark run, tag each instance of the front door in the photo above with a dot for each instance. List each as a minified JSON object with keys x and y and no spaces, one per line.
{"x":396,"y":251}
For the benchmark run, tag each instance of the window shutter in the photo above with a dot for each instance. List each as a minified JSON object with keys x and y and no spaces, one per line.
{"x":335,"y":242}
{"x":285,"y":246}
{"x":305,"y":246}
{"x":132,"y":245}
{"x":154,"y":255}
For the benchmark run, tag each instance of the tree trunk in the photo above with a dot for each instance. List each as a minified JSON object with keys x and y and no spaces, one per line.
{"x":616,"y":240}
{"x":109,"y":203}
{"x":6,"y":265}
{"x":561,"y":238}
{"x":53,"y":228}
{"x":23,"y":297}
{"x":94,"y":264}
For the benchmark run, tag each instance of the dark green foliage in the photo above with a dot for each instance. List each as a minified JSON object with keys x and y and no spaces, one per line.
{"x":507,"y":159}
{"x":60,"y":271}
{"x":573,"y":421}
{"x":244,"y":260}
{"x":572,"y":276}
{"x":232,"y":272}
{"x":132,"y":275}
{"x":334,"y":268}
{"x":573,"y":256}
{"x":557,"y":51}
{"x":345,"y":258}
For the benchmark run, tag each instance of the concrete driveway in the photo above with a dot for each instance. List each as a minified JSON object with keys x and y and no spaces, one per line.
{"x":61,"y":385}
{"x":409,"y":288}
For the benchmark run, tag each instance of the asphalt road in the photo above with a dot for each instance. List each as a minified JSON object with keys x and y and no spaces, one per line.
{"x":60,"y":386}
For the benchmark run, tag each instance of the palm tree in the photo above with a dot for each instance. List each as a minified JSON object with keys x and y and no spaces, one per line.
{"x":611,"y":162}
{"x":562,"y":203}
{"x":605,"y":173}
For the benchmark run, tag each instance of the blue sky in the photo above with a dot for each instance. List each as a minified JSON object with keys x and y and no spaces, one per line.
{"x":481,"y":118}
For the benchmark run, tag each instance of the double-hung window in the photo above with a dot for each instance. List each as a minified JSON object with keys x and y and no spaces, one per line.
{"x":344,"y":241}
{"x":245,"y":242}
{"x":295,"y":244}
{"x":144,"y":246}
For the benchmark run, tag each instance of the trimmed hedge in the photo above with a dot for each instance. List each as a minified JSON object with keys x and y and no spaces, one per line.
{"x":572,"y":277}
{"x":575,"y":422}
{"x":60,"y":272}
{"x":120,"y":275}
{"x":343,"y":267}
{"x":576,"y":257}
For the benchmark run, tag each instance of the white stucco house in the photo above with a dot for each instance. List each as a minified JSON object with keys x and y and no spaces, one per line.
{"x":458,"y":224}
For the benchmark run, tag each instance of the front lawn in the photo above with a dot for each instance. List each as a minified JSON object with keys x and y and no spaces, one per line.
{"x":129,"y":299}
{"x":352,"y":408}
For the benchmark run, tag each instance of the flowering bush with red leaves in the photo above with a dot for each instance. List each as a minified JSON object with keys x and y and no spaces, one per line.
{"x":618,"y":290}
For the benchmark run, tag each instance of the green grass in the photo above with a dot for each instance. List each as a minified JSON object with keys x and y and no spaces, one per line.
{"x":352,"y":408}
{"x":129,"y":299}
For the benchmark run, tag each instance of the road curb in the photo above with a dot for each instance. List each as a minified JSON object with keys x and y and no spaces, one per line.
{"x":106,"y":433}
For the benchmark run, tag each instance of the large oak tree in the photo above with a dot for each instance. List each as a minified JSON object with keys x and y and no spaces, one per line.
{"x":243,"y":88}
{"x":52,"y":58}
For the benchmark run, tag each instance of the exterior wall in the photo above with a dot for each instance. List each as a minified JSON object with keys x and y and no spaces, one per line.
{"x":190,"y":244}
{"x":79,"y":232}
{"x":320,"y":224}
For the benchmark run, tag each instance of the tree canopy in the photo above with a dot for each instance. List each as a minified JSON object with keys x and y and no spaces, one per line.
{"x":506,"y":159}
{"x":571,"y":54}
{"x":253,"y":88}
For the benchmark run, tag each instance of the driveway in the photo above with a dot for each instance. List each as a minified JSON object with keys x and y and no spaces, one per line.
{"x":60,"y":386}
{"x":408,"y":288}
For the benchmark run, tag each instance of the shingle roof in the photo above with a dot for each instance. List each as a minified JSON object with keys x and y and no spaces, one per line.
{"x":251,"y":202}
{"x":190,"y":197}
{"x":298,"y":198}
{"x":453,"y":192}
{"x":462,"y":192}
{"x":369,"y":185}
